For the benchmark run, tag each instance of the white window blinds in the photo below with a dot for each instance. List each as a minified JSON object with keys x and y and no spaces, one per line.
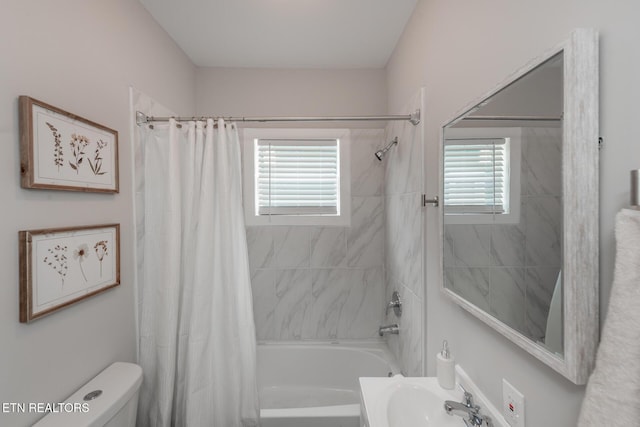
{"x":476,"y":176}
{"x":297,"y":177}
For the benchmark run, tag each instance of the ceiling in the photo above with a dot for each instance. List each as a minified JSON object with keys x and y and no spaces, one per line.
{"x":284,"y":33}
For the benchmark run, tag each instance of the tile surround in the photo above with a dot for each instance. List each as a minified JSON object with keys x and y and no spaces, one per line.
{"x":403,"y":239}
{"x":328,"y":247}
{"x":329,"y":292}
{"x":292,"y":311}
{"x":365,"y":305}
{"x":263,"y":284}
{"x":260,"y":247}
{"x":325,"y":282}
{"x":365,"y":237}
{"x":367,"y":173}
{"x":291,"y":246}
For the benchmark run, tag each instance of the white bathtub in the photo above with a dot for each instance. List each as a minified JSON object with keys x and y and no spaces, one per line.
{"x":315,"y":384}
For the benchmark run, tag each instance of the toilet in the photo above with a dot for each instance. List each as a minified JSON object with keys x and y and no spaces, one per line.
{"x":108,"y":400}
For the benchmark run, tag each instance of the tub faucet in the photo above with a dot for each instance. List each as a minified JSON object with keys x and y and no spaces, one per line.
{"x":469,"y":412}
{"x":389,"y":329}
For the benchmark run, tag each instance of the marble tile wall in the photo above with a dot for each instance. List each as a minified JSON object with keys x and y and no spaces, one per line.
{"x":325,"y":282}
{"x":403,"y":239}
{"x":510,"y":270}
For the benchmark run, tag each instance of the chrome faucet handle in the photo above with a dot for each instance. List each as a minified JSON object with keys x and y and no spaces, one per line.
{"x":475,"y":417}
{"x":389,"y":305}
{"x":478,"y":420}
{"x":467,"y":398}
{"x":469,"y":411}
{"x":395,"y":303}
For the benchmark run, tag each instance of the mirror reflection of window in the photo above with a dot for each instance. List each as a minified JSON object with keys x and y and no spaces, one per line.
{"x":482,"y":175}
{"x":476,"y":176}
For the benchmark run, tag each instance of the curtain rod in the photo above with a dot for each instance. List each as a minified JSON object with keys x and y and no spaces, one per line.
{"x":414,"y":118}
{"x":516,"y":118}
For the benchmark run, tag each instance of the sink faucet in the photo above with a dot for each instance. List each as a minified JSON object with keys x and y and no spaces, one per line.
{"x":389,"y":329}
{"x":469,"y":412}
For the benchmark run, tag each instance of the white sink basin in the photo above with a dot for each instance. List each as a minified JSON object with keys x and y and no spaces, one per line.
{"x":407,"y":402}
{"x":416,"y":406}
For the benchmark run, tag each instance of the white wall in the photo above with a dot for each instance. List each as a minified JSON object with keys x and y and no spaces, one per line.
{"x":459,"y":50}
{"x":80,"y":56}
{"x":290,"y":92}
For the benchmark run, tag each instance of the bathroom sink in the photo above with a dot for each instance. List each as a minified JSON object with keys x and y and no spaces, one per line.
{"x":406,"y":402}
{"x":417,"y":406}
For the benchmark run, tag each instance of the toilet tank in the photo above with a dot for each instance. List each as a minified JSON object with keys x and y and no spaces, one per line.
{"x":114,"y":402}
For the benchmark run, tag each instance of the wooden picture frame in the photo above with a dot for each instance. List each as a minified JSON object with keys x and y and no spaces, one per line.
{"x":62,"y":151}
{"x":61,"y":266}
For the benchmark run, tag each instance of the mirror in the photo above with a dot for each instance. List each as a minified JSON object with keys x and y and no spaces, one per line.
{"x":519,"y":174}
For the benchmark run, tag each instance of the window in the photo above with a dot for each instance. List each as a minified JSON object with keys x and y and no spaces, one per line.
{"x":482,"y":175}
{"x":296,"y":176}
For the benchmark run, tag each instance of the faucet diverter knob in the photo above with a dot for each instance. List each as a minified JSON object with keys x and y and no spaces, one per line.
{"x":395,"y":303}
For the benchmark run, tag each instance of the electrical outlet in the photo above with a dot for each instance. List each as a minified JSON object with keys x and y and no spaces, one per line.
{"x":512,"y":405}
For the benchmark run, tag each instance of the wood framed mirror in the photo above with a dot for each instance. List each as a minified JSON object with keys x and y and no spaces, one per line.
{"x":519,"y":225}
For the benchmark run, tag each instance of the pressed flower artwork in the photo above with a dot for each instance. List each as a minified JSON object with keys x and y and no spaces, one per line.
{"x":80,"y":254}
{"x":78,"y":144}
{"x":62,"y":151}
{"x":101,"y":252}
{"x":57,"y":260}
{"x":58,"y":154}
{"x":96,"y":164}
{"x":62,"y":266}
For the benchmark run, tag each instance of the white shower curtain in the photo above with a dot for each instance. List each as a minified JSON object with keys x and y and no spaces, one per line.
{"x":197,"y":336}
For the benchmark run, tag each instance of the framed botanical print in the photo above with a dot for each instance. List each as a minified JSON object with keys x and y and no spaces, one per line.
{"x":62,"y":151}
{"x":61,"y":266}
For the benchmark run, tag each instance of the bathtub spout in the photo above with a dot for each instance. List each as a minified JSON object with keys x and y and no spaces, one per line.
{"x":389,"y":329}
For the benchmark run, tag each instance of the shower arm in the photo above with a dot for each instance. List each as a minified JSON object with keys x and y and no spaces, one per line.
{"x":393,"y":142}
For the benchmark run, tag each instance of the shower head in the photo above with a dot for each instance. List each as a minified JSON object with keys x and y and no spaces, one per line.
{"x":380,"y":153}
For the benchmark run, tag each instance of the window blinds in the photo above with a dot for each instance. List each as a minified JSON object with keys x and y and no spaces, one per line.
{"x":476,"y":176}
{"x":297,"y":177}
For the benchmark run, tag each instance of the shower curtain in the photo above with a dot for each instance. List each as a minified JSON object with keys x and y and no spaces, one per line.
{"x":197,"y":336}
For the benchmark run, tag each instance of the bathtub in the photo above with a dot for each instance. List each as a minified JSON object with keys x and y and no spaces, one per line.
{"x":315,"y":384}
